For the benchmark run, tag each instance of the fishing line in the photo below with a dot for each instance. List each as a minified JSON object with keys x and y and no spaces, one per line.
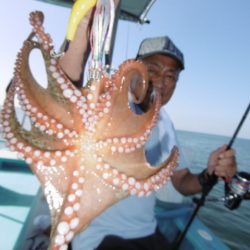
{"x":238,"y":127}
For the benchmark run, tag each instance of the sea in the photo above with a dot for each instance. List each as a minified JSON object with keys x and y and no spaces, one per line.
{"x":231,"y":226}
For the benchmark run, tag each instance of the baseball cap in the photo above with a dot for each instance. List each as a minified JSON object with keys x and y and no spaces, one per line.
{"x":160,"y":45}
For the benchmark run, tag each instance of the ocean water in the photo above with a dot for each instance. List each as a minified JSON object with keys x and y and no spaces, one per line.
{"x":231,"y":226}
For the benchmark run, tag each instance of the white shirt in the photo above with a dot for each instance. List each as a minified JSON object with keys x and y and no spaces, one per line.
{"x":132,"y":217}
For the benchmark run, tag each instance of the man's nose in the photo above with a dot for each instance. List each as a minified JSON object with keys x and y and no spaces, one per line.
{"x":158,"y":82}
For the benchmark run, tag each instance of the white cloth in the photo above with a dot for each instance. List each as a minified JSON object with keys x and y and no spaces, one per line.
{"x":132,"y":217}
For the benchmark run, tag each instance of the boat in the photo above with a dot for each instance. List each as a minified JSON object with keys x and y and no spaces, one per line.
{"x":18,"y":190}
{"x":172,"y":219}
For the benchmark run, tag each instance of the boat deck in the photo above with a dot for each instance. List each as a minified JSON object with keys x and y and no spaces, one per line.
{"x":18,"y":189}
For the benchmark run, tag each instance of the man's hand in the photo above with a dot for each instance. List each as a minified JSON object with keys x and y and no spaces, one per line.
{"x":75,"y":58}
{"x":222,"y":162}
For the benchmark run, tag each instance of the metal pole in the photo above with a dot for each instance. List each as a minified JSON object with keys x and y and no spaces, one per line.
{"x":108,"y":57}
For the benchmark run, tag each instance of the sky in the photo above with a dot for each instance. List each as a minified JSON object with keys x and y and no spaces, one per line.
{"x":214,"y":89}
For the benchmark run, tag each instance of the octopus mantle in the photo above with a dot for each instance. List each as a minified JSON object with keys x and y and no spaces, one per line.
{"x":85,"y":145}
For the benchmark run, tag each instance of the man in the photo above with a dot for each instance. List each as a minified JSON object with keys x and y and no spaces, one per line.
{"x":131,"y":224}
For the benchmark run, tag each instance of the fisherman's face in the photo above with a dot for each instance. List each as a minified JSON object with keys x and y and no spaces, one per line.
{"x":163,"y":73}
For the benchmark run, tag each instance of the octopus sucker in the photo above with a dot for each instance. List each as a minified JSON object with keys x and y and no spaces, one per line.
{"x":85,"y":145}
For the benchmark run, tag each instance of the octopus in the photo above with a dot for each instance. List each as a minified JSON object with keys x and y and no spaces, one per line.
{"x":85,"y":145}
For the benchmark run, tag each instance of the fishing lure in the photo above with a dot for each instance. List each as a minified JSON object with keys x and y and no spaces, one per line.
{"x":79,"y":10}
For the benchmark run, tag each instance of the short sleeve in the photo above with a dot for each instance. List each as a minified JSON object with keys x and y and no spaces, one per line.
{"x":168,"y":139}
{"x":161,"y":141}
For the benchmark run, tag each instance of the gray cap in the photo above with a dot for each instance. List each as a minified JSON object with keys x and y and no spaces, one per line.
{"x":160,"y":45}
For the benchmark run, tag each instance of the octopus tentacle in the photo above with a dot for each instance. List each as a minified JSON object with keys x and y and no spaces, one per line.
{"x":117,"y":179}
{"x":120,"y":105}
{"x":43,"y":141}
{"x":39,"y":96}
{"x":36,"y":20}
{"x":58,"y":83}
{"x":33,"y":150}
{"x":69,"y":220}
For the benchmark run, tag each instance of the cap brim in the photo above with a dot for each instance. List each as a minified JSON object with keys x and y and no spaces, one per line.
{"x":162,"y":53}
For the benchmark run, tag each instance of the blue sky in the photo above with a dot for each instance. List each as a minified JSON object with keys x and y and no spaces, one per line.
{"x":214,"y":89}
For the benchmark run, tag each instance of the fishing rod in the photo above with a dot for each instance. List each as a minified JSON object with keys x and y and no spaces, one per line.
{"x":238,"y":189}
{"x":212,"y":180}
{"x":239,"y":126}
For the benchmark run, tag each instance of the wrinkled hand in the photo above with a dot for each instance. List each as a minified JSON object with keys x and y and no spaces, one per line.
{"x":222,"y":162}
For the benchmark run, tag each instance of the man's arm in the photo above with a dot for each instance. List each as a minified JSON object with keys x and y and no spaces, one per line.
{"x":221,"y":162}
{"x":74,"y":60}
{"x":185,"y":182}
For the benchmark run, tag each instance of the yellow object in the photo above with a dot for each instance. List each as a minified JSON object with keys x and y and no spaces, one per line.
{"x":79,"y":10}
